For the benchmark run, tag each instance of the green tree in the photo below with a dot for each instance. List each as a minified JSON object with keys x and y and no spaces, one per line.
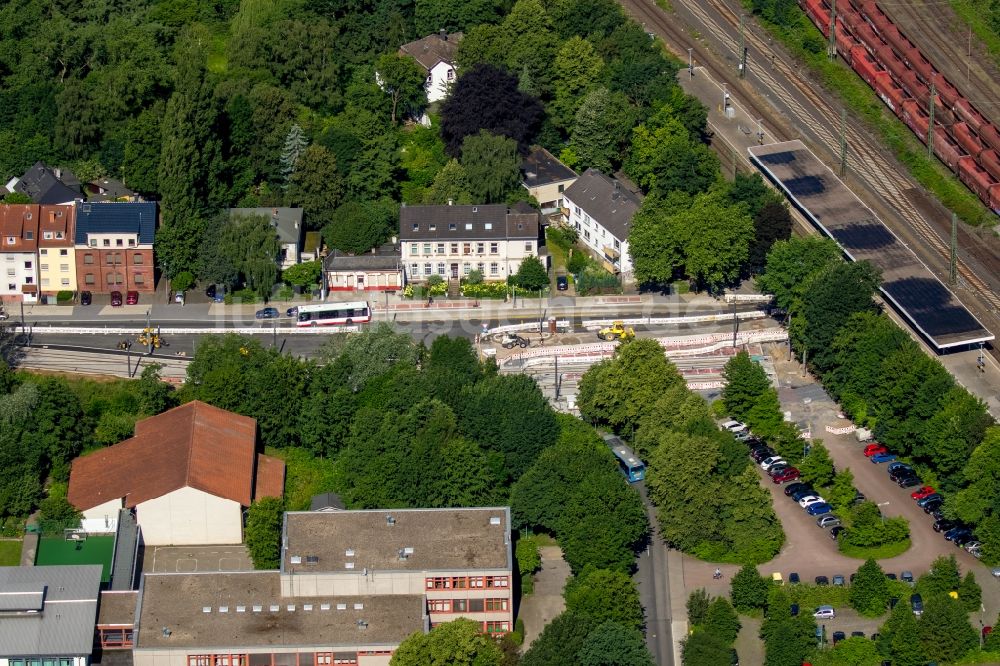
{"x":16,"y":198}
{"x":531,"y":274}
{"x":576,"y":68}
{"x":748,"y":589}
{"x":613,"y":643}
{"x":722,"y":620}
{"x":295,"y":145}
{"x":783,"y":646}
{"x":969,"y":593}
{"x":664,"y":157}
{"x":371,"y":353}
{"x":869,"y":528}
{"x":603,"y":124}
{"x":601,"y":596}
{"x":697,"y":607}
{"x":303,"y":275}
{"x":841,"y":493}
{"x":869,"y":591}
{"x":560,"y":641}
{"x":899,"y":638}
{"x":456,"y":643}
{"x":356,"y":228}
{"x":944,"y":629}
{"x":817,"y":467}
{"x":703,"y":648}
{"x":403,"y":80}
{"x":791,"y":263}
{"x":943,"y":577}
{"x":317,"y":185}
{"x":771,"y":224}
{"x":853,"y":651}
{"x":155,"y":396}
{"x":251,"y":245}
{"x":745,"y":382}
{"x":450,"y":184}
{"x":263,"y":532}
{"x":55,"y":512}
{"x":528,"y":558}
{"x":492,"y":166}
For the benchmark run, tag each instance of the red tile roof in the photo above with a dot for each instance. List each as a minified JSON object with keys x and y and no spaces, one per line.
{"x":20,"y":223}
{"x":270,"y":477}
{"x":195,"y":445}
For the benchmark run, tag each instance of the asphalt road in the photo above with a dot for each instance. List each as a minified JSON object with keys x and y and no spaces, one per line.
{"x":654,"y":590}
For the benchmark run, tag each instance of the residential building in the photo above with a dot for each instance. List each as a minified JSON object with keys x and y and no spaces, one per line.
{"x":436,"y":54}
{"x":47,"y":186}
{"x":546,"y":178}
{"x":601,"y":211}
{"x":114,"y":246}
{"x":377,"y":270}
{"x":452,"y":241}
{"x":352,"y":586}
{"x":188,"y":474}
{"x":56,"y":255}
{"x":47,"y":614}
{"x":109,"y":189}
{"x":287,"y":224}
{"x":18,"y":260}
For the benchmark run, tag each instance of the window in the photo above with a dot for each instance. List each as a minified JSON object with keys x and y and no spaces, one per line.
{"x":496,"y":604}
{"x":131,"y":242}
{"x":60,"y":235}
{"x":119,"y":242}
{"x":28,"y":265}
{"x":427,"y":269}
{"x":494,"y":268}
{"x":454,"y":248}
{"x":480,"y":248}
{"x":109,"y":259}
{"x":414,"y":248}
{"x":440,"y":248}
{"x":43,"y":267}
{"x":561,"y":188}
{"x":10,"y":240}
{"x":488,"y":226}
{"x":111,"y":278}
{"x":433,"y":227}
{"x":466,"y":248}
{"x":416,"y":227}
{"x":448,"y":583}
{"x":45,"y":282}
{"x":93,"y":242}
{"x":494,"y":627}
{"x":459,"y":605}
{"x":452,"y":226}
{"x":64,"y":268}
{"x":475,"y":605}
{"x":47,"y":235}
{"x":586,"y":234}
{"x":63,"y":253}
{"x":468,"y":226}
{"x":496,"y":581}
{"x":529,"y":246}
{"x":466,"y":268}
{"x":618,"y":244}
{"x":43,"y":252}
{"x":88,"y":278}
{"x":64,"y":281}
{"x":11,"y":272}
{"x":439,"y":605}
{"x":88,"y":258}
{"x":137,"y":259}
{"x":11,"y":286}
{"x":427,"y":248}
{"x":140,"y":278}
{"x":576,"y":211}
{"x":29,"y":280}
{"x":414,"y":269}
{"x":107,"y":242}
{"x":29,"y":235}
{"x":494,"y":248}
{"x":450,"y":75}
{"x":441,"y":268}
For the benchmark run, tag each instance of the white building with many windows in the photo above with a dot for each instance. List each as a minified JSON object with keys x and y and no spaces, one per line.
{"x":601,"y":211}
{"x":19,"y":236}
{"x":453,"y":241}
{"x":436,"y":54}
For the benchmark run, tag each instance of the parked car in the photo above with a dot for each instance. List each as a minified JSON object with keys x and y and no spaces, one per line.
{"x":898,"y":469}
{"x":220,"y":295}
{"x":267,"y":313}
{"x":872,"y":449}
{"x":836,"y":532}
{"x":795,"y":487}
{"x":86,"y":298}
{"x":996,"y":572}
{"x":822,"y":580}
{"x":883,"y":458}
{"x":955,"y":531}
{"x":938,"y":514}
{"x":909,"y":481}
{"x":917,"y":604}
{"x":179,"y":297}
{"x":818,"y":509}
{"x":891,"y":576}
{"x":805,"y":492}
{"x":292,"y":311}
{"x":963,"y":539}
{"x":786,"y":475}
{"x":210,"y":291}
{"x":907,"y":577}
{"x":734,"y":426}
{"x":777,"y":469}
{"x":810,"y":499}
{"x":922,"y":492}
{"x":839,"y":581}
{"x":760,"y":454}
{"x":132,"y":298}
{"x":768,"y":463}
{"x":753,"y":442}
{"x":857,"y":634}
{"x":116,"y":299}
{"x":824,"y":612}
{"x":933,"y":497}
{"x":859,"y":497}
{"x":931,"y":507}
{"x":743,"y":436}
{"x":793,"y":578}
{"x":838,"y":636}
{"x":828,"y":520}
{"x":974,"y":548}
{"x":562,"y":283}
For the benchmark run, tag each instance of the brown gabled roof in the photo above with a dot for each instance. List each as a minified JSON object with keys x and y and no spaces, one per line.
{"x":20,"y":223}
{"x":433,"y":49}
{"x":270,"y":480}
{"x":195,"y":445}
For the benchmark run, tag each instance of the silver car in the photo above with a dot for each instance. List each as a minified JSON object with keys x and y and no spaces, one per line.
{"x":827,"y":521}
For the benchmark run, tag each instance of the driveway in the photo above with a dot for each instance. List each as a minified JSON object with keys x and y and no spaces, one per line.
{"x":546,"y":602}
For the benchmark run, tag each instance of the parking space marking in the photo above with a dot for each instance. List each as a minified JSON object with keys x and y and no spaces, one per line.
{"x":189,"y":565}
{"x":231,"y":564}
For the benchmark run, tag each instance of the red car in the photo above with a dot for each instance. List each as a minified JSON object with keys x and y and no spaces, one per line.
{"x":875,"y":449}
{"x":922,"y":492}
{"x":116,"y":299}
{"x":786,"y":475}
{"x":132,"y":297}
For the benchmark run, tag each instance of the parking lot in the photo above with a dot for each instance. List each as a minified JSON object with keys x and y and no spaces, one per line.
{"x":191,"y":559}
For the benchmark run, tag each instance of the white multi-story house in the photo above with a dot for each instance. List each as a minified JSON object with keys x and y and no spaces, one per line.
{"x":453,"y":241}
{"x":18,"y":245}
{"x":546,"y":178}
{"x":436,"y":54}
{"x":601,"y":211}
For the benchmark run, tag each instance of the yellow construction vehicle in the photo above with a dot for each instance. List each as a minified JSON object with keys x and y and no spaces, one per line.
{"x":149,"y":337}
{"x":617,"y":331}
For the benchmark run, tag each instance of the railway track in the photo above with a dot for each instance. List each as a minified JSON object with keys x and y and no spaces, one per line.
{"x":865,"y":157}
{"x":937,"y":31}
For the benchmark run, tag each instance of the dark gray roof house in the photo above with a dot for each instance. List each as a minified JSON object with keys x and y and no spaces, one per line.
{"x":606,"y":201}
{"x":480,"y":222}
{"x":44,"y":186}
{"x":287,"y":224}
{"x":541,"y":167}
{"x":384,"y":258}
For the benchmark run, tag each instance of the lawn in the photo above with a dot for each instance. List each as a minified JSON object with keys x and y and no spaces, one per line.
{"x":879,"y":552}
{"x":54,"y":550}
{"x":10,"y":552}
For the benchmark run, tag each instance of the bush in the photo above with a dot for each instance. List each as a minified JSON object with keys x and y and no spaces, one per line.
{"x":562,"y":236}
{"x":434,"y":280}
{"x":247,"y":296}
{"x":578,"y":260}
{"x":869,"y":529}
{"x":518,"y":634}
{"x":284,"y":293}
{"x":64,"y":296}
{"x":474,"y":277}
{"x":182,"y":281}
{"x":485,"y":290}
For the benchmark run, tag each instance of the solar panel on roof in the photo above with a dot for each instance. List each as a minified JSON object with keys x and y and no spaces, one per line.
{"x":806,"y":186}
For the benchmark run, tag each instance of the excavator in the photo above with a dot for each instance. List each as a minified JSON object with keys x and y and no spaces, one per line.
{"x":617,"y":331}
{"x":149,"y":337}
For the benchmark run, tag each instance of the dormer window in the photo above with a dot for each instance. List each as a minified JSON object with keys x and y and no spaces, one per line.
{"x":29,"y":235}
{"x":488,"y":226}
{"x":433,"y":227}
{"x":468,"y":226}
{"x":451,"y":226}
{"x":47,"y":235}
{"x":11,"y":240}
{"x":416,"y":227}
{"x":60,"y":235}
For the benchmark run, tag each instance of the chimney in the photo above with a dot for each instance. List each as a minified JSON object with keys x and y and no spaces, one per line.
{"x":443,"y":34}
{"x":451,"y":202}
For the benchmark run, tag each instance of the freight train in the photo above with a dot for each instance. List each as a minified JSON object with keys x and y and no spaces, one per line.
{"x":963,"y":139}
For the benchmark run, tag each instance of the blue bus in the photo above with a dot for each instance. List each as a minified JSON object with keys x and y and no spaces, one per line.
{"x":630,"y":465}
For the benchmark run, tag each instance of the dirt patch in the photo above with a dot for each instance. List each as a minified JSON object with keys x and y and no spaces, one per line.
{"x":547,"y":602}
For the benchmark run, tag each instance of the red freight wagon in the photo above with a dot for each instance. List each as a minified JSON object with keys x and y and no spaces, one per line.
{"x":969,"y":142}
{"x":945,"y":148}
{"x":990,"y":161}
{"x":912,"y":84}
{"x":975,"y":177}
{"x":818,"y":15}
{"x":867,"y":36}
{"x":915,"y":119}
{"x":920,"y":65}
{"x":994,"y":202}
{"x":990,"y":136}
{"x":965,"y":112}
{"x":853,"y":20}
{"x":889,"y":93}
{"x":946,"y":91}
{"x":891,"y":61}
{"x":863,"y":64}
{"x":845,"y":42}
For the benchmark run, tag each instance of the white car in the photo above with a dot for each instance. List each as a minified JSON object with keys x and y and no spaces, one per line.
{"x":768,"y":463}
{"x":824,"y":613}
{"x":734,"y":426}
{"x":809,"y":500}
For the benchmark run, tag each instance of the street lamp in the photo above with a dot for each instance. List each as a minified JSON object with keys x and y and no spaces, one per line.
{"x":881,"y":515}
{"x":690,"y":63}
